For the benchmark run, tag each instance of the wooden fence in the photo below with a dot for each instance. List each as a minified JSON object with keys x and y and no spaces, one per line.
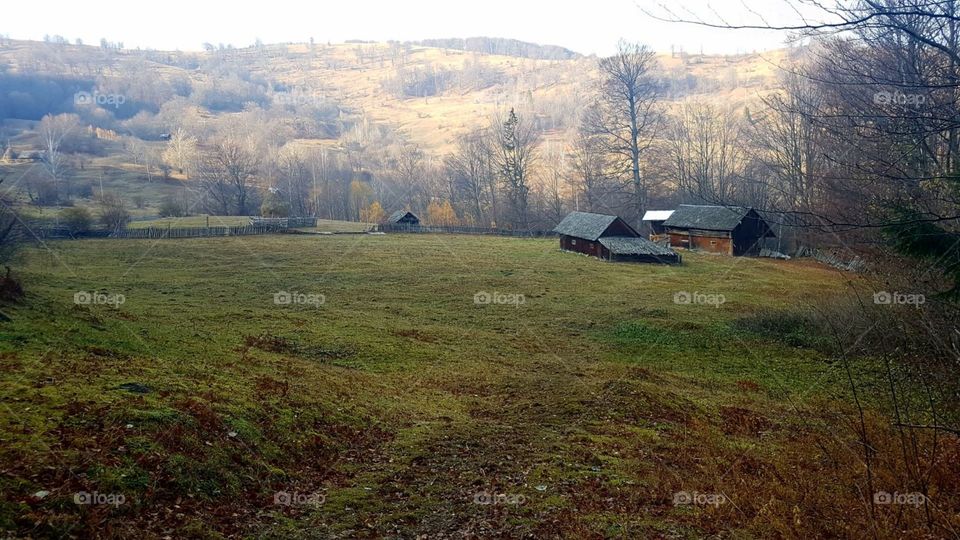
{"x":197,"y":232}
{"x":855,"y":264}
{"x":261,"y":226}
{"x":401,"y":228}
{"x":291,"y":222}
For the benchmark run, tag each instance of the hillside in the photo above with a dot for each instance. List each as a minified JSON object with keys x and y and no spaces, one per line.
{"x":429,"y":94}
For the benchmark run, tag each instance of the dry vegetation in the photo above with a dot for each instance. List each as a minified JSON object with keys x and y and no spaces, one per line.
{"x":399,"y":403}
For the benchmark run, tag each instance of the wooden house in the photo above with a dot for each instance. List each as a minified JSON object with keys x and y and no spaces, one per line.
{"x":731,"y":230}
{"x":609,"y":238}
{"x":403,"y":217}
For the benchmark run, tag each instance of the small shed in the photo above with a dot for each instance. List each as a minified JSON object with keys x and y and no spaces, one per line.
{"x":609,"y":238}
{"x":730,"y":230}
{"x":403,"y":217}
{"x":655,"y":218}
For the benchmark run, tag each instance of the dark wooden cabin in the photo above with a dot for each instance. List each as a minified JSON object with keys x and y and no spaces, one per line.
{"x":731,"y":230}
{"x":609,"y":238}
{"x":403,"y":217}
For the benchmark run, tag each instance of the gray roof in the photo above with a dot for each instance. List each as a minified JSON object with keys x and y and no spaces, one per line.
{"x":399,"y":214}
{"x":627,"y":245}
{"x":711,"y":218}
{"x":584,"y":225}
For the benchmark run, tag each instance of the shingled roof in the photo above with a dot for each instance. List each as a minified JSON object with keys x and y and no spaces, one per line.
{"x":626,"y":245}
{"x":586,"y":225}
{"x":400,"y":214}
{"x":711,"y":218}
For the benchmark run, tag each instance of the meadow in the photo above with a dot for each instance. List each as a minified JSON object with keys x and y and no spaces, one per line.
{"x":401,"y":385}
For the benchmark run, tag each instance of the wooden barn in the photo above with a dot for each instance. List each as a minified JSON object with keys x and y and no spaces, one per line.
{"x":731,"y":230}
{"x":403,"y":217}
{"x":609,"y":238}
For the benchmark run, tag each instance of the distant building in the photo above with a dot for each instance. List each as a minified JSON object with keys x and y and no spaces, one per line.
{"x":655,"y":219}
{"x":609,"y":238}
{"x":731,"y":230}
{"x":403,"y":217}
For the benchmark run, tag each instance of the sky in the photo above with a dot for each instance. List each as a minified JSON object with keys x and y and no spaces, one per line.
{"x":585,"y":26}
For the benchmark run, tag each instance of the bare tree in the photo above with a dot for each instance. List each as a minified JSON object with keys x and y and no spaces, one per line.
{"x":8,"y":228}
{"x":410,"y":171}
{"x":228,"y":170}
{"x":54,"y":131}
{"x":706,"y":149}
{"x":294,"y":180}
{"x":627,"y":116}
{"x":590,"y":169}
{"x":469,"y":167}
{"x":181,"y":150}
{"x":556,"y":204}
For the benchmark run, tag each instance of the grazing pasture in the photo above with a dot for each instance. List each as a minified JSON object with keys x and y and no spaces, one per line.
{"x":396,"y":385}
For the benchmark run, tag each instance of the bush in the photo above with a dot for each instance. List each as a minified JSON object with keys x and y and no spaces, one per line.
{"x":84,"y":191}
{"x":76,"y":220}
{"x":273,"y":206}
{"x":46,"y":194}
{"x":171,"y":207}
{"x":114,"y":214}
{"x":791,"y":328}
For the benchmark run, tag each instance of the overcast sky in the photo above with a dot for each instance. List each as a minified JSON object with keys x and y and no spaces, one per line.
{"x":586,"y":26}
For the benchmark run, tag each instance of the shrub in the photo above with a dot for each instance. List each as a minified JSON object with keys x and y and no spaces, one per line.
{"x":84,"y":191}
{"x":273,"y":206}
{"x":795,"y":329}
{"x":114,"y":214}
{"x":77,"y":220}
{"x":171,"y":207}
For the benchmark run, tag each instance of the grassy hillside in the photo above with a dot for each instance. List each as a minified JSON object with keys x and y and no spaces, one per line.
{"x":389,"y":403}
{"x":353,"y":75}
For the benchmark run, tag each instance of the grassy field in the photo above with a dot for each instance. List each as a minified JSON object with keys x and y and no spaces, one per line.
{"x":323,"y":225}
{"x":192,"y":221}
{"x":332,"y":225}
{"x":362,"y":386}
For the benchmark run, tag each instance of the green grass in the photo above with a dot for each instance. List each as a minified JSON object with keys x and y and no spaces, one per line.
{"x":202,"y":220}
{"x":331,"y":225}
{"x":398,"y":398}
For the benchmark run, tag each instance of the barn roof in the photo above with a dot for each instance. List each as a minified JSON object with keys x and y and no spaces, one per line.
{"x":711,"y":218}
{"x":586,"y":225}
{"x":627,"y":245}
{"x":398,"y":215}
{"x":657,"y":215}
